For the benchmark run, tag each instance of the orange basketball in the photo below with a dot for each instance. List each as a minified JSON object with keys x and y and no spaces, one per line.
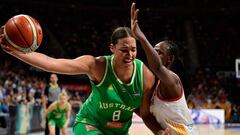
{"x":23,"y":32}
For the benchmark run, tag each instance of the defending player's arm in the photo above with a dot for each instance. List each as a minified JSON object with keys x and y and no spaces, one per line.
{"x":154,"y":61}
{"x":68,"y":113}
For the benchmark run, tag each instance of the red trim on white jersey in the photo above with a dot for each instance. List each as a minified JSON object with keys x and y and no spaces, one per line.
{"x":173,"y":99}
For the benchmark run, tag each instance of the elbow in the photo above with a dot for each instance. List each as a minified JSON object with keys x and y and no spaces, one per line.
{"x":155,"y":68}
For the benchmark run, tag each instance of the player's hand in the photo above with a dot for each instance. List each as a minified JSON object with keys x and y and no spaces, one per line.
{"x":65,"y":125}
{"x":134,"y":23}
{"x":1,"y":36}
{"x":3,"y":42}
{"x":42,"y":124}
{"x":164,"y":132}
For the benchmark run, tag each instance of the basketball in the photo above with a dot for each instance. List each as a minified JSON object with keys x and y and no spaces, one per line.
{"x":23,"y":32}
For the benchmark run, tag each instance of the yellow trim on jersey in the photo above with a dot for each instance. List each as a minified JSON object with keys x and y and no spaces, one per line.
{"x":177,"y":128}
{"x":105,"y":74}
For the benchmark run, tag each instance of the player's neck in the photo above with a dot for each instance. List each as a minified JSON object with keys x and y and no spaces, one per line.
{"x":124,"y":73}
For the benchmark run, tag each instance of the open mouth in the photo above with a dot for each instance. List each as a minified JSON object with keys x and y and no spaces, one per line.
{"x":127,"y":60}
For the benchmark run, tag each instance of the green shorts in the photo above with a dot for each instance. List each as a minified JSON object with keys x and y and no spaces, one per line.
{"x":85,"y":129}
{"x":57,"y":122}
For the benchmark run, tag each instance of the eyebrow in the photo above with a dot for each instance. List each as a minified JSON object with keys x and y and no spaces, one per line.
{"x":126,"y":47}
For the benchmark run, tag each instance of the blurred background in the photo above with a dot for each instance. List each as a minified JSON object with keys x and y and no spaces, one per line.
{"x":207,"y":32}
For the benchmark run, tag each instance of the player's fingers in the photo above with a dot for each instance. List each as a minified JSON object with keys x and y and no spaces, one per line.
{"x":132,"y":10}
{"x":136,"y":14}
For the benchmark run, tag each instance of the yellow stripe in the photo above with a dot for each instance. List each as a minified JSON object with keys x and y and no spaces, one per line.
{"x":177,"y":128}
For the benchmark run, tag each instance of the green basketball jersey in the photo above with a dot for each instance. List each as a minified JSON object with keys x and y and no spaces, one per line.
{"x":111,"y":104}
{"x":57,"y":113}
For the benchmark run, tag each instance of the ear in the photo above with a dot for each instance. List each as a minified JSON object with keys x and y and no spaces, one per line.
{"x":112,"y":47}
{"x":171,"y":59}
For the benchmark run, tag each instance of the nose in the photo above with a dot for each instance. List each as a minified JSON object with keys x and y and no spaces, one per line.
{"x":130,"y":53}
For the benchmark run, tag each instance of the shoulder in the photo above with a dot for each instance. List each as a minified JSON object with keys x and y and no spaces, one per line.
{"x":69,"y":106}
{"x":54,"y":104}
{"x":98,"y":68}
{"x":101,"y":59}
{"x":175,"y":77}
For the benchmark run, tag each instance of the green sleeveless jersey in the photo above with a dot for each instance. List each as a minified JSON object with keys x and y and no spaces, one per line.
{"x":57,"y":113}
{"x":111,"y":103}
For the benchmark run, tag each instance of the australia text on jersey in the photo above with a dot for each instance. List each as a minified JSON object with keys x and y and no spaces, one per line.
{"x":115,"y":105}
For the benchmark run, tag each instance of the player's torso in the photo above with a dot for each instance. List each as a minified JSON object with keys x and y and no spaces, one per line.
{"x":58,"y":112}
{"x":173,"y":114}
{"x":112,"y":102}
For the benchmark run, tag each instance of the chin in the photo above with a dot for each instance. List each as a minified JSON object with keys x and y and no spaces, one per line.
{"x":128,"y":63}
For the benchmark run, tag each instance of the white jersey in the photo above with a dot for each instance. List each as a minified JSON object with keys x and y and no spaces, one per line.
{"x":173,"y":114}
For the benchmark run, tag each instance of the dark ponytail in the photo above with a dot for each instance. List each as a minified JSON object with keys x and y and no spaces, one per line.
{"x":120,"y":32}
{"x":178,"y":66}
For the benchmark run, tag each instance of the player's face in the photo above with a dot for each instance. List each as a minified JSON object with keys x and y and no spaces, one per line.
{"x":62,"y":99}
{"x":162,"y":50}
{"x":125,"y":51}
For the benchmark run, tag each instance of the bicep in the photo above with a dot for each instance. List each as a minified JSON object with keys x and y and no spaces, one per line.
{"x":80,"y":65}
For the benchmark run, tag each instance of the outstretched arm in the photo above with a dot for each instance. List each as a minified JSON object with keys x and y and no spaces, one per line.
{"x":80,"y":65}
{"x":152,"y":56}
{"x":154,"y":61}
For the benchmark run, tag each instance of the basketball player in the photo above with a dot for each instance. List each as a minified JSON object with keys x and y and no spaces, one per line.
{"x":58,"y":114}
{"x":50,"y":95}
{"x":120,"y":84}
{"x":168,"y":104}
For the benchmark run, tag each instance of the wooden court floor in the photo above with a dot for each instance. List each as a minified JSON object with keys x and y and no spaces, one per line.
{"x":206,"y":129}
{"x":203,"y":129}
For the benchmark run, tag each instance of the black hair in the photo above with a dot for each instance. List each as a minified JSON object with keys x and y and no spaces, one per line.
{"x":173,"y":48}
{"x":177,"y":65}
{"x":120,"y":32}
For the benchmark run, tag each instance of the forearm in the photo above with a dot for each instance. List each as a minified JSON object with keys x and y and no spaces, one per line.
{"x":67,"y":121}
{"x":154,"y":61}
{"x":152,"y":124}
{"x":44,"y":115}
{"x":68,"y":115}
{"x":35,"y":59}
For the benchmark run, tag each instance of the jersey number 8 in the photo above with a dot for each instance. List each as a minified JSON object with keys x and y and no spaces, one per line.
{"x":116,"y":115}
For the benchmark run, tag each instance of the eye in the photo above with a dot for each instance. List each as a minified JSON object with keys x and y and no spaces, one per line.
{"x":124,"y":50}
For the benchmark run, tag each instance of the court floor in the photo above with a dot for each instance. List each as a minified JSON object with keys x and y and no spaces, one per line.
{"x":204,"y":129}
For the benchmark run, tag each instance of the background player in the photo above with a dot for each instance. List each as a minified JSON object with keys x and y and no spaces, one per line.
{"x":51,"y":94}
{"x":58,"y":114}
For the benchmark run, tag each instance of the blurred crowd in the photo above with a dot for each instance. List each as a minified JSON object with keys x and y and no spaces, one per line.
{"x":211,"y":90}
{"x":21,"y":87}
